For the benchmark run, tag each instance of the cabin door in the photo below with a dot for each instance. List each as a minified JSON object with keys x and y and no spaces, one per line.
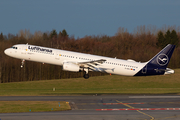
{"x":24,"y":49}
{"x":57,"y":55}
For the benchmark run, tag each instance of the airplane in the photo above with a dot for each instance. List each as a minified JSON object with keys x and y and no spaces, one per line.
{"x":77,"y":62}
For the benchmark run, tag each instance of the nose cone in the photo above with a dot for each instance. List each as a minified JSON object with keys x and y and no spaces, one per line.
{"x":7,"y":51}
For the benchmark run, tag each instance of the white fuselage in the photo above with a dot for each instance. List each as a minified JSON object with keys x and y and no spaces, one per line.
{"x":59,"y":57}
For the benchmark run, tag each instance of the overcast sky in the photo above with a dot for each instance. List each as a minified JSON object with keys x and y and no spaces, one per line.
{"x":86,"y":17}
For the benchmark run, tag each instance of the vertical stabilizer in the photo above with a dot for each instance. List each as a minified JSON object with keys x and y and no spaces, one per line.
{"x":163,"y":57}
{"x":157,"y":65}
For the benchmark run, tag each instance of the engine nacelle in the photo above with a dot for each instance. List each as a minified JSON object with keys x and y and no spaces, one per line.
{"x":70,"y":67}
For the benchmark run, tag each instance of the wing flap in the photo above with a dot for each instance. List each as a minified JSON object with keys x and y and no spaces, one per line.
{"x":93,"y":62}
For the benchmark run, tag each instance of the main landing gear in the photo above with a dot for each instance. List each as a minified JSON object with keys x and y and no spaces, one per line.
{"x":86,"y":75}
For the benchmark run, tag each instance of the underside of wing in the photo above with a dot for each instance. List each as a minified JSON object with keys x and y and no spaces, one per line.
{"x":91,"y":65}
{"x":95,"y":62}
{"x":95,"y":65}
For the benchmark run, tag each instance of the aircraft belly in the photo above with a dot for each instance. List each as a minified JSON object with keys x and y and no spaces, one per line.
{"x":125,"y":72}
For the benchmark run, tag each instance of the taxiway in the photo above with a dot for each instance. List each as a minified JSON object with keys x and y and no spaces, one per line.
{"x":103,"y":107}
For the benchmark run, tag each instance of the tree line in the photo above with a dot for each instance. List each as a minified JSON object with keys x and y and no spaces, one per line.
{"x":140,"y":46}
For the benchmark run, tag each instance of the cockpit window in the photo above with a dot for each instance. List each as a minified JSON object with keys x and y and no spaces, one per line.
{"x":14,"y":47}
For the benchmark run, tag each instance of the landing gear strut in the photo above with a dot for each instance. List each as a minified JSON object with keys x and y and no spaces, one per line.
{"x":22,"y":63}
{"x":86,"y":75}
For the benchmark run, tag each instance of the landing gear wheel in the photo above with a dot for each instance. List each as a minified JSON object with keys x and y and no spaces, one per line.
{"x":86,"y":76}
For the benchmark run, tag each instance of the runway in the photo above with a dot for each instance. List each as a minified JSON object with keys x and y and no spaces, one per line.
{"x":103,"y":107}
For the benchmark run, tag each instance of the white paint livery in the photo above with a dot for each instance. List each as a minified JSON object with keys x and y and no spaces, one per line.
{"x":75,"y":61}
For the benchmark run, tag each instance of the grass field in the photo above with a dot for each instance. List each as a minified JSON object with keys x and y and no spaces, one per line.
{"x":110,"y":84}
{"x":32,"y":106}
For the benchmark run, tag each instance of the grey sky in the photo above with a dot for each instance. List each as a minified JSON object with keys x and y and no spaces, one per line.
{"x":86,"y":17}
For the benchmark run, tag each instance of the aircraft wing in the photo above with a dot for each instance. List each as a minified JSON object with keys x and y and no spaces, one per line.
{"x":95,"y":62}
{"x":92,"y":65}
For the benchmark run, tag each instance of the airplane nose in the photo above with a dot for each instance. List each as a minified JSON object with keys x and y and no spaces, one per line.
{"x":6,"y":51}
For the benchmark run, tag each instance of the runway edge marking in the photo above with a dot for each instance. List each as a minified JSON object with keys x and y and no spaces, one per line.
{"x":139,"y":109}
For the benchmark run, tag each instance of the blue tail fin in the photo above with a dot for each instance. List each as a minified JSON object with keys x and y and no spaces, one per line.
{"x":163,"y":57}
{"x":157,"y":65}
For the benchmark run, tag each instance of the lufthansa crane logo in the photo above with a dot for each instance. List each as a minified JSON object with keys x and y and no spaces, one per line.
{"x":162,"y":59}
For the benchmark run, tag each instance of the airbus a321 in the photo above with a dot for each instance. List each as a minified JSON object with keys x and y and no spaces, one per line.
{"x":76,"y":62}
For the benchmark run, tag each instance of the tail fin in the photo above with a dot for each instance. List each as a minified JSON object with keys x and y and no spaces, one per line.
{"x":163,"y":57}
{"x":157,"y":65}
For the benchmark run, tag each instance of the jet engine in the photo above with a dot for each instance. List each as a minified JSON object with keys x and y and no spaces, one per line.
{"x":70,"y":67}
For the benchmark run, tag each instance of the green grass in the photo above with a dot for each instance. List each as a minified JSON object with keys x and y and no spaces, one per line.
{"x":110,"y":84}
{"x":32,"y":106}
